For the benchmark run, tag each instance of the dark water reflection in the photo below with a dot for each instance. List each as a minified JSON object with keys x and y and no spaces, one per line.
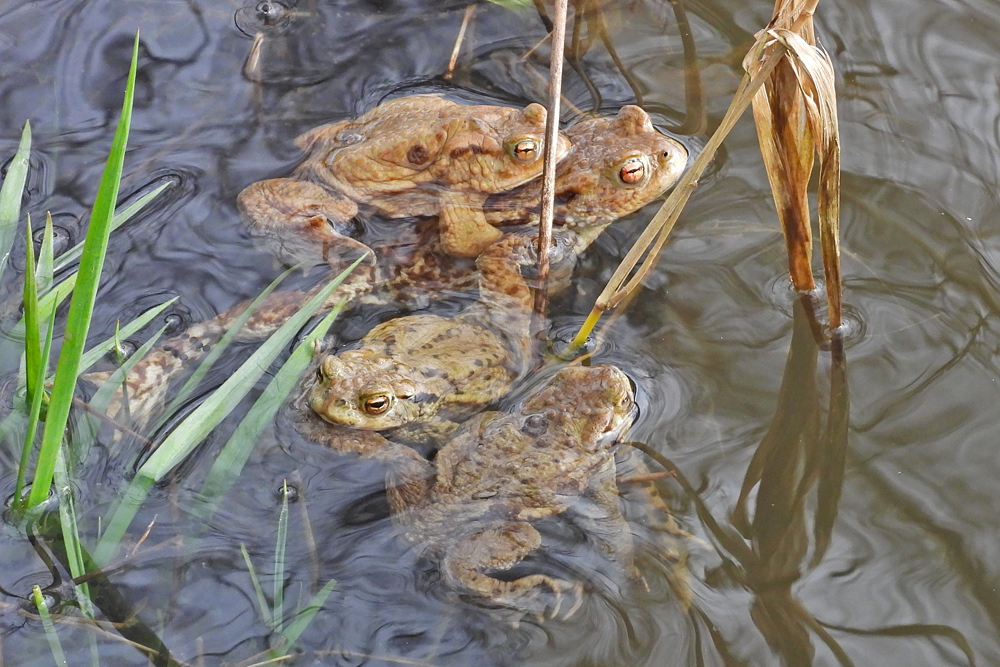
{"x":901,"y":571}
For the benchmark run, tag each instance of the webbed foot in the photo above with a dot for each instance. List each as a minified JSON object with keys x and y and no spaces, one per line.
{"x":501,"y":548}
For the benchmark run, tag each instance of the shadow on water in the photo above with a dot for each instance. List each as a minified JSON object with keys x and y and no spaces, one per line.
{"x":782,"y":523}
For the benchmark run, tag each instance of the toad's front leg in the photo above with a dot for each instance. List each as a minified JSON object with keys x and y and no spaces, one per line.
{"x":301,"y":221}
{"x":462,"y":224}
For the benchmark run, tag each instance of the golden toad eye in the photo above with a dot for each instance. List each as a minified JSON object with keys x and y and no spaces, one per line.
{"x":376,"y":405}
{"x":633,"y":171}
{"x":525,"y":150}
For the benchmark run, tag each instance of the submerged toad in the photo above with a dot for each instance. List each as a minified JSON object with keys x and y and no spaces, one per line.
{"x":412,"y":156}
{"x":418,"y":376}
{"x":472,"y":509}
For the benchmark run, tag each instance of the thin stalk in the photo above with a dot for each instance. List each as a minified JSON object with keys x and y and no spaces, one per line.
{"x":458,"y":41}
{"x":279,"y":560}
{"x":551,"y":143}
{"x":694,"y":99}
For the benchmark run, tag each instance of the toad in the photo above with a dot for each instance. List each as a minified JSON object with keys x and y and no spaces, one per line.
{"x":615,"y":167}
{"x":472,"y":509}
{"x":420,"y":155}
{"x":417,"y":377}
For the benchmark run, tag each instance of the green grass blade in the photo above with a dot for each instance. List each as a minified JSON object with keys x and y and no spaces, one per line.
{"x":50,"y":629}
{"x":44,"y":273}
{"x":235,"y":453}
{"x":265,"y":612}
{"x":134,"y":496}
{"x":32,"y":344}
{"x":118,"y":352}
{"x":103,"y":395}
{"x":196,"y":426}
{"x":82,"y":305}
{"x":206,"y":416}
{"x":34,"y":414}
{"x":513,"y":5}
{"x":305,"y":617}
{"x":220,"y":347}
{"x":279,"y":560}
{"x":49,"y":301}
{"x":94,"y":354}
{"x":120,"y":218}
{"x":71,"y":534}
{"x":89,"y":425}
{"x":10,"y":197}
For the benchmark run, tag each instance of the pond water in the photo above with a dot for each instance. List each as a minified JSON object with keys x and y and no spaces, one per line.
{"x":805,"y":550}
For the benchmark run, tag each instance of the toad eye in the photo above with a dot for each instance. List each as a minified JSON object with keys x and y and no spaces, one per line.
{"x":525,"y":150}
{"x":633,"y":171}
{"x":376,"y":405}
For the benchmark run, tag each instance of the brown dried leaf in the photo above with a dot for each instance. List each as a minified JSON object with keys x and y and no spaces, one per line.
{"x":795,"y":114}
{"x":816,"y":95}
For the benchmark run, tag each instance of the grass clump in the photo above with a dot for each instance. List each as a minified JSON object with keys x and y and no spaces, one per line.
{"x":274,"y":617}
{"x":81,"y":306}
{"x":43,"y":405}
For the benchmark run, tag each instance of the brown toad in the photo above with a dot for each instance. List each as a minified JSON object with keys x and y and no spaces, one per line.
{"x":411,"y":156}
{"x":416,"y":377}
{"x":472,"y":509}
{"x":615,"y":167}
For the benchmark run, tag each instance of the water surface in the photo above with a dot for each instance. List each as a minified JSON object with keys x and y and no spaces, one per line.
{"x":883,"y":551}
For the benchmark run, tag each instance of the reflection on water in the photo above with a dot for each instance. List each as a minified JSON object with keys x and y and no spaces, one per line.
{"x":815,"y":540}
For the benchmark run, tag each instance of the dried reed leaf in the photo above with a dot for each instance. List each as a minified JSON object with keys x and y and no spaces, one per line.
{"x":786,"y":144}
{"x":796,"y":114}
{"x":817,"y":82}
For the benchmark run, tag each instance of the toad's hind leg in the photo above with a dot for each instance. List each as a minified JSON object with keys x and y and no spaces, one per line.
{"x":599,"y":513}
{"x":502,"y":548}
{"x":298,"y":221}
